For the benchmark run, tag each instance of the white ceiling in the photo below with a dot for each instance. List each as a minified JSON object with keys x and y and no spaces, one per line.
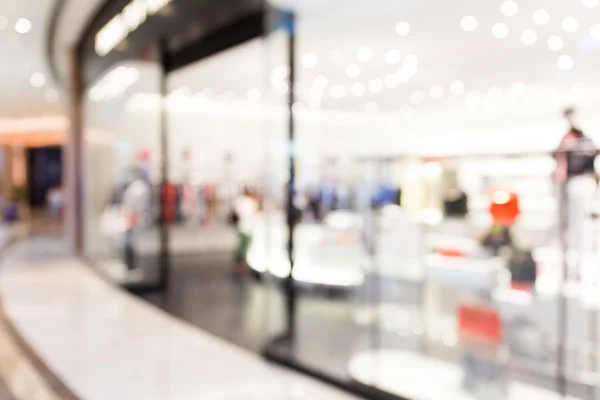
{"x":506,"y":82}
{"x":22,"y":56}
{"x":511,"y":89}
{"x":70,"y":24}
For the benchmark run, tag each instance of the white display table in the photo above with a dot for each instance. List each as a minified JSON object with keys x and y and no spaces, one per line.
{"x":418,"y":377}
{"x":335,"y":253}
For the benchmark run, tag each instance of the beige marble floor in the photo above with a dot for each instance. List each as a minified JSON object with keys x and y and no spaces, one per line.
{"x":105,"y":344}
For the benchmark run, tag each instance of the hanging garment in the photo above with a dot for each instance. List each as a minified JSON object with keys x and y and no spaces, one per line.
{"x":575,"y":156}
{"x":455,"y":204}
{"x":523,"y":268}
{"x":189,"y":202}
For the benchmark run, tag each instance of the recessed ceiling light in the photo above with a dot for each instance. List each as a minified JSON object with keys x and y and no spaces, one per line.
{"x":321,"y":82}
{"x":591,"y":3}
{"x":51,"y":96}
{"x":3,"y":23}
{"x":393,"y":56}
{"x":404,"y":74}
{"x":417,"y":96}
{"x":500,"y":30}
{"x":541,"y":17}
{"x":358,"y":89}
{"x":457,"y":88}
{"x":376,"y":85}
{"x":565,"y":62}
{"x":23,"y":25}
{"x":309,"y":60}
{"x":390,"y":81}
{"x":338,"y":91}
{"x":403,"y":28}
{"x":364,"y":54}
{"x":595,"y":31}
{"x":254,"y":95}
{"x":555,"y":43}
{"x":410,"y":62}
{"x":570,"y":24}
{"x":352,"y":71}
{"x":37,"y":79}
{"x":528,"y":37}
{"x":281,"y":71}
{"x":509,"y":8}
{"x":468,"y":23}
{"x":436,"y":92}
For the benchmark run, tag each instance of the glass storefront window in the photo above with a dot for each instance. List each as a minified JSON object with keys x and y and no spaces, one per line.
{"x":404,"y":216}
{"x":122,"y":171}
{"x":426,"y":179}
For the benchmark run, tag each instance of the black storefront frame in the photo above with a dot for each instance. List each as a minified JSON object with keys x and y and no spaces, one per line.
{"x":242,"y":30}
{"x":260,"y":24}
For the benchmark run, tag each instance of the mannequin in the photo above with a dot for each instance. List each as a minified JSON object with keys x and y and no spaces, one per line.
{"x":575,"y":174}
{"x":455,"y":200}
{"x":189,"y":196}
{"x":576,"y":152}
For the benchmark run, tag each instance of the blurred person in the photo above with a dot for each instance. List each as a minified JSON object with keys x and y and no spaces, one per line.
{"x":136,"y":207}
{"x":137,"y":199}
{"x":55,"y":203}
{"x":245,"y":209}
{"x":202,"y":207}
{"x":314,"y":205}
{"x":190,"y":204}
{"x":11,"y":210}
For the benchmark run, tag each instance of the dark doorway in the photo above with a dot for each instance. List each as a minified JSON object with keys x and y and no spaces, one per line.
{"x":44,"y":172}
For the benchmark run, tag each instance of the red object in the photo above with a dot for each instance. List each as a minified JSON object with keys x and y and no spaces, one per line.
{"x":170,"y":192}
{"x":523,"y":287}
{"x":145,"y":155}
{"x":344,"y":240}
{"x":450,"y":253}
{"x":132,"y":220}
{"x":504,"y":207}
{"x":480,"y":323}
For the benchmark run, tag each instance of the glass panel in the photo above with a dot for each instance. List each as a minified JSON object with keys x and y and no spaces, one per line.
{"x":460,"y":108}
{"x":122,"y":172}
{"x":219,"y":201}
{"x":328,"y":292}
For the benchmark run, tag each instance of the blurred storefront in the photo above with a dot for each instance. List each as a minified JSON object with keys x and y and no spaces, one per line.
{"x":404,"y":158}
{"x":31,"y":161}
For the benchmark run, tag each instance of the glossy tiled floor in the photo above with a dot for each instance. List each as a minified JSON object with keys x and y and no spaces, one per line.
{"x":332,"y":328}
{"x":105,"y":344}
